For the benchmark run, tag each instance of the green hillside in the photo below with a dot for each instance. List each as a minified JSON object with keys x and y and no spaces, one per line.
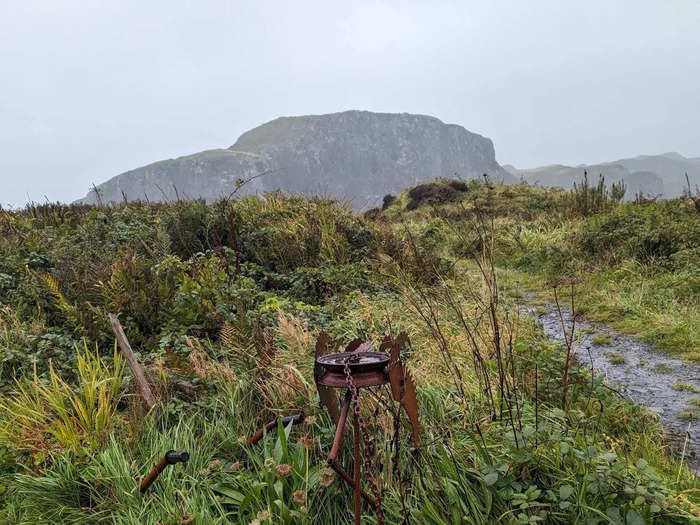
{"x":223,"y":304}
{"x":635,"y":265}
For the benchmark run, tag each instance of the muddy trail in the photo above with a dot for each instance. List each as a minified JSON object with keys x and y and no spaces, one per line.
{"x":664,"y":385}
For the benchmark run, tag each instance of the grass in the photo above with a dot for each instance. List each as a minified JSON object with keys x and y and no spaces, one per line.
{"x":616,"y":358}
{"x":223,"y":304}
{"x":663,"y":368}
{"x":689,"y":415}
{"x":634,"y":302}
{"x":685,"y":387}
{"x":41,"y":418}
{"x":603,"y":339}
{"x":636,"y":266}
{"x":643,"y":302}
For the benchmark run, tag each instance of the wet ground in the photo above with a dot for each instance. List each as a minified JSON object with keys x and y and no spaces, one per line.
{"x":650,"y":378}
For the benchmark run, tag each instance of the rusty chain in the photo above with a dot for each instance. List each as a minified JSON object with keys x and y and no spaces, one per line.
{"x":369,"y":449}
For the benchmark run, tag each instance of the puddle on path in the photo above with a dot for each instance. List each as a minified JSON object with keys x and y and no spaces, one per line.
{"x":647,"y":377}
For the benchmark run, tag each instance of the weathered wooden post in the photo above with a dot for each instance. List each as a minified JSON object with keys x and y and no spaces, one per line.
{"x":134,"y":366}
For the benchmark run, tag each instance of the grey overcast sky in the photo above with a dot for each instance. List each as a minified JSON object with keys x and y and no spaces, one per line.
{"x":91,"y":89}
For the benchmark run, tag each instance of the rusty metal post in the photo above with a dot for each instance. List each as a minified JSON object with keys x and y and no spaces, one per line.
{"x":340,"y":429}
{"x":294,"y":420}
{"x":335,"y":449}
{"x":358,"y":490}
{"x":153,"y":474}
{"x":170,"y":458}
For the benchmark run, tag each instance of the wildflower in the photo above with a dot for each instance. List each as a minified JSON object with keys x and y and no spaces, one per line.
{"x":264,"y":515}
{"x":255,"y":522}
{"x":269,"y":462}
{"x":307,"y":442}
{"x":283,"y":470}
{"x":327,"y":477}
{"x":215,"y":464}
{"x":310,"y":420}
{"x":299,"y":497}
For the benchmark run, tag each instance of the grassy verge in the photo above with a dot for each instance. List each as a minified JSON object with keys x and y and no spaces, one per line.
{"x":636,"y":302}
{"x":636,"y":265}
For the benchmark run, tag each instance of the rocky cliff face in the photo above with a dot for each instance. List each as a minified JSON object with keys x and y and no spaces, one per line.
{"x":356,"y":156}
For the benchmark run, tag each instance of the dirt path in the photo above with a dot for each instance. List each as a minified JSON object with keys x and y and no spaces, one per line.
{"x":639,"y":372}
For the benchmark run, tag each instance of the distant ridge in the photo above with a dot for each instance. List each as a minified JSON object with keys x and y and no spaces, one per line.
{"x":655,"y":175}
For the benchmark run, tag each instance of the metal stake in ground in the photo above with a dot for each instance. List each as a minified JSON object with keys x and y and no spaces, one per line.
{"x":170,"y":458}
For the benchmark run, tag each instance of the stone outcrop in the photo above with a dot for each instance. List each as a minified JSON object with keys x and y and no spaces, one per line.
{"x":357,"y":156}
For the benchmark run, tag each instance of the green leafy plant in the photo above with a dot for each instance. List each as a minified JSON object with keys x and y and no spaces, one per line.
{"x":39,"y":417}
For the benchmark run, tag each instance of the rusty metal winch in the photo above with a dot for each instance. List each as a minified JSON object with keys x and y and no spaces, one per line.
{"x":358,"y":367}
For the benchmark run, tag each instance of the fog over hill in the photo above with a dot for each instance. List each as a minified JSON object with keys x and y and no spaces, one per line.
{"x":358,"y":156}
{"x":653,"y":175}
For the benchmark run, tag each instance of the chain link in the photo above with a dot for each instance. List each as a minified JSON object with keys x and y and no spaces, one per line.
{"x":369,"y":449}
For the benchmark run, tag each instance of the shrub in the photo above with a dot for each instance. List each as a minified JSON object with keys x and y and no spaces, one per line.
{"x":387,"y":200}
{"x":587,"y":200}
{"x":438,"y":192}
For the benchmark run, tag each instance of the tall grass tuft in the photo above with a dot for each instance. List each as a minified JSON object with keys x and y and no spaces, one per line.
{"x":41,"y":418}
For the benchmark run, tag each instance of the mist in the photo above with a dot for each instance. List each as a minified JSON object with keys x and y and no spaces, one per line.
{"x":89,"y":90}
